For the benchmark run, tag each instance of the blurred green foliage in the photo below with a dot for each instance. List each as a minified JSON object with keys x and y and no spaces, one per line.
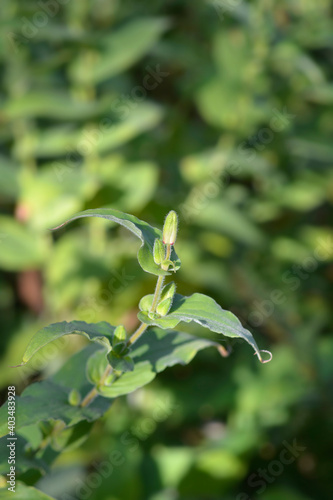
{"x":221,"y":110}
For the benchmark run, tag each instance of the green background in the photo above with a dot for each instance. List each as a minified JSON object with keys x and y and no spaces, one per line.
{"x":222,"y":111}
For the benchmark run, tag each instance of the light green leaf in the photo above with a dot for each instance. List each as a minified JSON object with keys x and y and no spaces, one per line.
{"x":122,"y":49}
{"x":95,"y":138}
{"x":154,"y":319}
{"x":9,"y":186}
{"x":95,"y":332}
{"x":52,"y":104}
{"x":141,"y":229}
{"x":20,"y":248}
{"x":221,"y":215}
{"x":146,"y":302}
{"x":96,"y":366}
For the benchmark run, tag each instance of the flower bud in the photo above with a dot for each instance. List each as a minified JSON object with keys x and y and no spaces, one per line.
{"x":168,"y":291}
{"x":159,"y":251}
{"x":119,"y":335}
{"x":164,"y":307}
{"x":74,"y":397}
{"x":170,"y":228}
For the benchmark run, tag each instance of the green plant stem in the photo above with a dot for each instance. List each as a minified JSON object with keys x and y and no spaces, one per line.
{"x":137,"y":334}
{"x":93,"y":393}
{"x":157,"y":293}
{"x":160,"y":281}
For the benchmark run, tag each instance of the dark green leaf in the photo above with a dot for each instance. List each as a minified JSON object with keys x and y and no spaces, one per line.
{"x":153,"y":353}
{"x":120,"y":363}
{"x":49,"y":399}
{"x":205,"y":311}
{"x":23,"y":492}
{"x":95,"y":332}
{"x":146,"y":233}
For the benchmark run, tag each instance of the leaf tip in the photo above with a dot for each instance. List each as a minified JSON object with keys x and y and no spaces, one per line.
{"x":57,"y":227}
{"x":264,"y":360}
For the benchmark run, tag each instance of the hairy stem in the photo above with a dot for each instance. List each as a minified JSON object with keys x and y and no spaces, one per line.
{"x":137,"y":334}
{"x":157,"y":293}
{"x":160,"y":281}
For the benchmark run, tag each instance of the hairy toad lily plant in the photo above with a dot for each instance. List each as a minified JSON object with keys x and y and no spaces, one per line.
{"x":116,"y":362}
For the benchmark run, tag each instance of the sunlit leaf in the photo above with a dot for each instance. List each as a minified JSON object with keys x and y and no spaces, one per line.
{"x":206,"y":312}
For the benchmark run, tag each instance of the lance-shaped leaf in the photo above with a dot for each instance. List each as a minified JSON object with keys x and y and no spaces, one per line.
{"x":96,"y":332}
{"x":146,"y":233}
{"x":205,"y":311}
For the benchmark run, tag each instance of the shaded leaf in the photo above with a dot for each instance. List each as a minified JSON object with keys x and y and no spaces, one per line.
{"x":146,"y":233}
{"x":49,"y":399}
{"x":120,"y":363}
{"x":152,"y":353}
{"x":23,"y":492}
{"x":96,"y":332}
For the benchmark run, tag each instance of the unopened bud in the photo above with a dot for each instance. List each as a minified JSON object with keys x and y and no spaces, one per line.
{"x":159,"y":251}
{"x":170,"y":228}
{"x":168,"y":291}
{"x":164,"y":307}
{"x":119,"y":335}
{"x":74,"y":397}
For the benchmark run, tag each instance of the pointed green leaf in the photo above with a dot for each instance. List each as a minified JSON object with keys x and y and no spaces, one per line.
{"x":95,"y":332}
{"x":205,"y":311}
{"x":146,"y":233}
{"x":168,"y":291}
{"x":164,"y":306}
{"x":119,"y":335}
{"x":146,"y":302}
